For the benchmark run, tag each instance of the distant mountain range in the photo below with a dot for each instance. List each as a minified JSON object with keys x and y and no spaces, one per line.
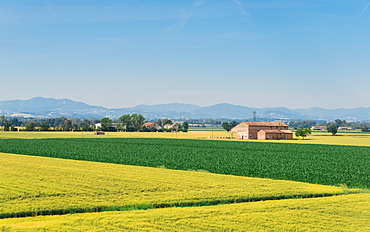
{"x":50,"y":107}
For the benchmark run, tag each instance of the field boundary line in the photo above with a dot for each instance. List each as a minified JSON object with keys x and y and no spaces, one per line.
{"x":167,"y":205}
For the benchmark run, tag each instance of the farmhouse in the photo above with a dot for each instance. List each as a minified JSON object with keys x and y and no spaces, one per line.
{"x":171,"y":126}
{"x":344,"y":128}
{"x":151,"y":125}
{"x":98,"y":125}
{"x":318,"y":128}
{"x":262,"y":130}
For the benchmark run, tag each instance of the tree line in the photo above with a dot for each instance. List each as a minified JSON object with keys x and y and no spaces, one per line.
{"x":127,"y":122}
{"x":364,"y":126}
{"x":47,"y":124}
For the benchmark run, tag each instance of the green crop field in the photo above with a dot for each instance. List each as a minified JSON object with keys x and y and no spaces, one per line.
{"x":318,"y":164}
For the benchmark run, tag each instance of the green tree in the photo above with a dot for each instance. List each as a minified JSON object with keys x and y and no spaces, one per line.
{"x":159,"y":122}
{"x":332,"y":129}
{"x":304,"y":124}
{"x":126,"y":121}
{"x":339,"y":122}
{"x":106,"y":124}
{"x":85,"y":126}
{"x":302,"y":132}
{"x":365,"y":128}
{"x":30,"y":126}
{"x":185,"y":127}
{"x":44,"y":126}
{"x":2,"y":120}
{"x":227,"y":126}
{"x":232,"y":124}
{"x":133,"y":122}
{"x":167,"y":121}
{"x":119,"y":127}
{"x":67,"y":125}
{"x":15,"y":122}
{"x":137,"y":121}
{"x":6,"y":125}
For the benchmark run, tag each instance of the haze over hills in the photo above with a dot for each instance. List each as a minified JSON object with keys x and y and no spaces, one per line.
{"x":50,"y":107}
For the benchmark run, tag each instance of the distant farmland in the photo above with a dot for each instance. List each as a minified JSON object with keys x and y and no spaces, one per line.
{"x":318,"y":164}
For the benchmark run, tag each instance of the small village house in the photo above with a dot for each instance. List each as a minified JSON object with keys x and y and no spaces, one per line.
{"x":262,"y":131}
{"x":174,"y":127}
{"x":98,"y":125}
{"x":152,"y":125}
{"x":322,"y":128}
{"x":344,"y":128}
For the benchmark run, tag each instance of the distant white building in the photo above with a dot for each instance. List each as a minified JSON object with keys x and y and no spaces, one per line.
{"x":318,"y":128}
{"x":171,"y":126}
{"x":98,"y":125}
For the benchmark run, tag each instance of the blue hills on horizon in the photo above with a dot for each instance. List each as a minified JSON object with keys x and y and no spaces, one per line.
{"x":50,"y":107}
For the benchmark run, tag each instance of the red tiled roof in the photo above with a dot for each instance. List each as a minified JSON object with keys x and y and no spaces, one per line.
{"x":265,"y":123}
{"x":149,"y":123}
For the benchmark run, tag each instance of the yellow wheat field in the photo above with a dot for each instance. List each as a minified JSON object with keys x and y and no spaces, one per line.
{"x":37,"y":185}
{"x":338,"y":213}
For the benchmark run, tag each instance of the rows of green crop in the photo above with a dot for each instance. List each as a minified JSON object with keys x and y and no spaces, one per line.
{"x":321,"y":164}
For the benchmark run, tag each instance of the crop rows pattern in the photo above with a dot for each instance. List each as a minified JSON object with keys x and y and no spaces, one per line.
{"x":318,"y":164}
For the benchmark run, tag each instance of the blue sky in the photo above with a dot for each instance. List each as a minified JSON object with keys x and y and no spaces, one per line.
{"x":265,"y":53}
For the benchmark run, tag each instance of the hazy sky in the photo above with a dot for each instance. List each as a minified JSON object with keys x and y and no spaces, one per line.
{"x":260,"y":53}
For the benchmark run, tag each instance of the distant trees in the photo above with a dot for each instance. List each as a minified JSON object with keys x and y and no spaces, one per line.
{"x":85,"y":126}
{"x":2,"y":120}
{"x":302,"y":132}
{"x":162,"y":122}
{"x":44,"y":126}
{"x":67,"y":124}
{"x":185,"y":127}
{"x":166,"y":121}
{"x":228,"y":126}
{"x":303,"y":124}
{"x":332,"y":129}
{"x":137,"y":121}
{"x":4,"y":123}
{"x":132,"y":122}
{"x":30,"y":126}
{"x":106,"y":124}
{"x":365,"y":128}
